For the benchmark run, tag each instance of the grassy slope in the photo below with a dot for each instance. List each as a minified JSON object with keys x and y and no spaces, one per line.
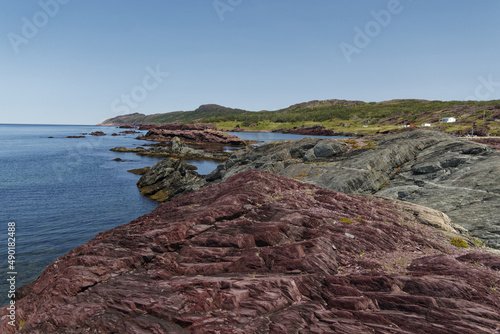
{"x":347,"y":116}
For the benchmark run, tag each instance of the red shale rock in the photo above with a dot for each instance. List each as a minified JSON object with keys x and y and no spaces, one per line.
{"x":192,"y":134}
{"x":261,"y":253}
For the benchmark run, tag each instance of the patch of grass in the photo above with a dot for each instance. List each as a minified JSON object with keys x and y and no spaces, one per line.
{"x":369,"y":143}
{"x":361,"y":220}
{"x":382,"y":186}
{"x":459,"y":242}
{"x":359,"y":144}
{"x":279,"y":196}
{"x":478,"y":242}
{"x":22,"y":322}
{"x":352,"y":142}
{"x":346,"y":220}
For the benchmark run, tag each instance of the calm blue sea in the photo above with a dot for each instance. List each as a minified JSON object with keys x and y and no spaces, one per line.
{"x":61,"y":192}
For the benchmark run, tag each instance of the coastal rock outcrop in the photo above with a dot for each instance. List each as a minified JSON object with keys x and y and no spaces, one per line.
{"x":167,"y":179}
{"x":176,"y":150}
{"x":314,"y":130}
{"x":458,"y":177}
{"x":261,"y":253}
{"x":97,"y":133}
{"x":192,"y":133}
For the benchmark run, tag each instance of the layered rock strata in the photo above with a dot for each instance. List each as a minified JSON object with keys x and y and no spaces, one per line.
{"x":192,"y":134}
{"x":261,"y":253}
{"x":176,"y":150}
{"x":458,"y":177}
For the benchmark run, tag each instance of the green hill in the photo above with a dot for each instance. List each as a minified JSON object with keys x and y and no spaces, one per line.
{"x":340,"y":115}
{"x":203,"y":112}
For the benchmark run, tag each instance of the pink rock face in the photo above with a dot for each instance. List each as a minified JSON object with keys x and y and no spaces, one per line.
{"x":198,"y":126}
{"x":495,"y":142}
{"x":312,"y":132}
{"x":205,"y":136}
{"x":261,"y":253}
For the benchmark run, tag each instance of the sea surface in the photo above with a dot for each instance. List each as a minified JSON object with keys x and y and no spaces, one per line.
{"x":61,"y":192}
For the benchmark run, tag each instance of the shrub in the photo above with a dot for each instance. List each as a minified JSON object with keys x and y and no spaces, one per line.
{"x":459,"y":242}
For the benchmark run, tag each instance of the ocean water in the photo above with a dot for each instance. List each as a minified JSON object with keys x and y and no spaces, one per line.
{"x":61,"y":192}
{"x":266,"y":137}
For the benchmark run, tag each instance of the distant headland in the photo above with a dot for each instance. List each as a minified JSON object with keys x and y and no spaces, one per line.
{"x":481,"y":118}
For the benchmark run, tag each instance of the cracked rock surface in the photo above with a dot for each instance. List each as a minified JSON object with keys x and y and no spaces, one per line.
{"x":458,"y":177}
{"x":261,"y":253}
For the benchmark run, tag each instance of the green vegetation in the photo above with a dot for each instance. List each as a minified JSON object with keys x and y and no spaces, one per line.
{"x":459,"y":242}
{"x":340,"y":115}
{"x":478,"y":242}
{"x":346,"y":220}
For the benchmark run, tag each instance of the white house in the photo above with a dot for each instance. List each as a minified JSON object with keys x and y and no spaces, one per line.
{"x":448,"y":120}
{"x":426,"y":124}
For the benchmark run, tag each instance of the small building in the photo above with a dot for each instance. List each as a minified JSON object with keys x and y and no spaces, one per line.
{"x":408,"y":125}
{"x":448,"y":120}
{"x":426,"y":124}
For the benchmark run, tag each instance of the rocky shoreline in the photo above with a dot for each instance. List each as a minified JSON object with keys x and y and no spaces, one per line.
{"x":379,"y":234}
{"x":192,"y":134}
{"x":262,"y":253}
{"x":177,"y":149}
{"x":458,"y":177}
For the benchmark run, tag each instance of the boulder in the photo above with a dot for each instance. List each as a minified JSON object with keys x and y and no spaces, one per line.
{"x":97,"y":133}
{"x":167,"y":179}
{"x":177,"y":145}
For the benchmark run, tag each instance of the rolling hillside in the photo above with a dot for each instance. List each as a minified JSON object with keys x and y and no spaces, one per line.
{"x":473,"y":117}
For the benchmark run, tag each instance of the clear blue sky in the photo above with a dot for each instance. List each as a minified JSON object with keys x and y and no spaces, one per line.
{"x":85,"y":57}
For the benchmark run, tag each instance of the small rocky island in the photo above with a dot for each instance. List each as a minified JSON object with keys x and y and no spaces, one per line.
{"x":192,"y":134}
